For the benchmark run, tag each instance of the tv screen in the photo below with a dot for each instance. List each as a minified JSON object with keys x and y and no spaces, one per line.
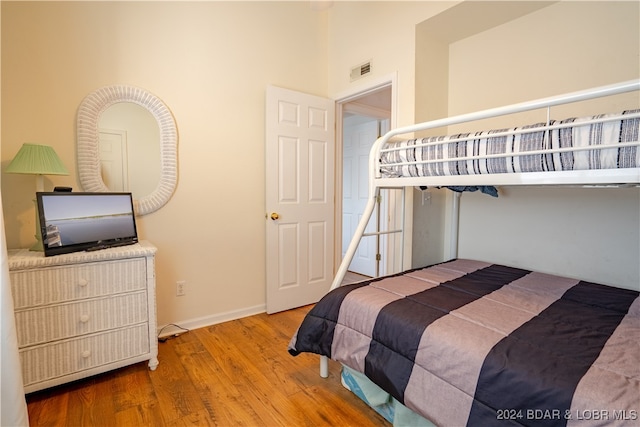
{"x":71,"y":222}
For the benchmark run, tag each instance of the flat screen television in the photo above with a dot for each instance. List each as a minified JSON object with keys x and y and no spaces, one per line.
{"x":72,"y":222}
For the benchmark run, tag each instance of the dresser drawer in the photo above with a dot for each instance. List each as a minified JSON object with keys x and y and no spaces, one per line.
{"x":34,"y":287}
{"x":54,"y":322}
{"x":46,"y":362}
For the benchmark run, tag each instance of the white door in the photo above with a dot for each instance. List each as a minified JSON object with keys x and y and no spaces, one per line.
{"x":113,"y":159}
{"x":357,"y":141}
{"x":299,"y":198}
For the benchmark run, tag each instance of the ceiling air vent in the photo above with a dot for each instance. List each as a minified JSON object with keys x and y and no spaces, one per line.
{"x":360,"y":70}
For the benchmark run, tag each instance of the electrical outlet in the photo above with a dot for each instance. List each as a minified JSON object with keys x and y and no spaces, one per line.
{"x":181,"y":286}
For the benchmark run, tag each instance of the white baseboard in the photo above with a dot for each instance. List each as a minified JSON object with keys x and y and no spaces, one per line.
{"x":202,"y":322}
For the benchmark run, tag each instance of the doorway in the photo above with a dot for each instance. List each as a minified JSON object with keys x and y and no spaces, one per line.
{"x":361,"y":119}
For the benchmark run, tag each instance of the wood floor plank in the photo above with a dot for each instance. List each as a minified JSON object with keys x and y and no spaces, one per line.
{"x":143,"y":414}
{"x":48,"y":407}
{"x":237,"y":373}
{"x":221,"y":399}
{"x":269,"y":359}
{"x":132,"y":387}
{"x":92,"y":406}
{"x":199,"y":419}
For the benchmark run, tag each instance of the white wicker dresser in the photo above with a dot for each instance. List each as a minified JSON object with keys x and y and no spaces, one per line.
{"x":83,"y":313}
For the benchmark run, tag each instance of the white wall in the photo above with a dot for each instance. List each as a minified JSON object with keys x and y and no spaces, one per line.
{"x":585,"y":233}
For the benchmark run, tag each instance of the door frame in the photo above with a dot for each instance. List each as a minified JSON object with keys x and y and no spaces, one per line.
{"x":374,"y":85}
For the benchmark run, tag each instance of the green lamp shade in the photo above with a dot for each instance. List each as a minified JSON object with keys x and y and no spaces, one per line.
{"x":37,"y":159}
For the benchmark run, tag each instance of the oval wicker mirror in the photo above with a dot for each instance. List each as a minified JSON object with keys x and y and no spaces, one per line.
{"x":88,"y":143}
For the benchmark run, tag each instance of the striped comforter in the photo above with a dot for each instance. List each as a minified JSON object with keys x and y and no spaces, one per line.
{"x":446,"y":150}
{"x":467,"y":342}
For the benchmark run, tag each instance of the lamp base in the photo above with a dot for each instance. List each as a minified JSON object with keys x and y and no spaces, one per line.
{"x":37,"y":246}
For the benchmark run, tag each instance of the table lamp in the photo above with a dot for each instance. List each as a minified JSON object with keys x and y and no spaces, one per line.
{"x":38,"y":160}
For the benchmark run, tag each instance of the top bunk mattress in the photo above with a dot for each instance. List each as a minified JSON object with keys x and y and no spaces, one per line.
{"x":605,"y":141}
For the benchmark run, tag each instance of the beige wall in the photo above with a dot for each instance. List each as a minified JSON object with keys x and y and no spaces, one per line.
{"x":210,"y":62}
{"x":383,"y":32}
{"x":585,"y":233}
{"x":565,"y":47}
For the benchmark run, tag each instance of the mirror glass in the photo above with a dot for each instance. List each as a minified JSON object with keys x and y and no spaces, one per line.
{"x":127,"y":141}
{"x":129,"y":135}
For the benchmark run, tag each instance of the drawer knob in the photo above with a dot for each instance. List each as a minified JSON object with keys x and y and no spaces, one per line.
{"x":84,"y":318}
{"x":86,"y":353}
{"x":83,"y":282}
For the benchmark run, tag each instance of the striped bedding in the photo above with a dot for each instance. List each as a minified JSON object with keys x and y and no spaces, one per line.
{"x":472,"y":343}
{"x":534,"y":138}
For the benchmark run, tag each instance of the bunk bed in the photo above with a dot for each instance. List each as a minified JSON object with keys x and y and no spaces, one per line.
{"x":469,"y":342}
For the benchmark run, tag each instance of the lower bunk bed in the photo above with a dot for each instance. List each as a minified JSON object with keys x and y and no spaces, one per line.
{"x":381,"y":401}
{"x":472,"y":343}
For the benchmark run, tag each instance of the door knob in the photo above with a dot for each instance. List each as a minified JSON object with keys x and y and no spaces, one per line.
{"x":275,"y":216}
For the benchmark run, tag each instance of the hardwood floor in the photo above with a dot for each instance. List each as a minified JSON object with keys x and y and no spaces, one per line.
{"x":236,"y":373}
{"x":352,"y":277}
